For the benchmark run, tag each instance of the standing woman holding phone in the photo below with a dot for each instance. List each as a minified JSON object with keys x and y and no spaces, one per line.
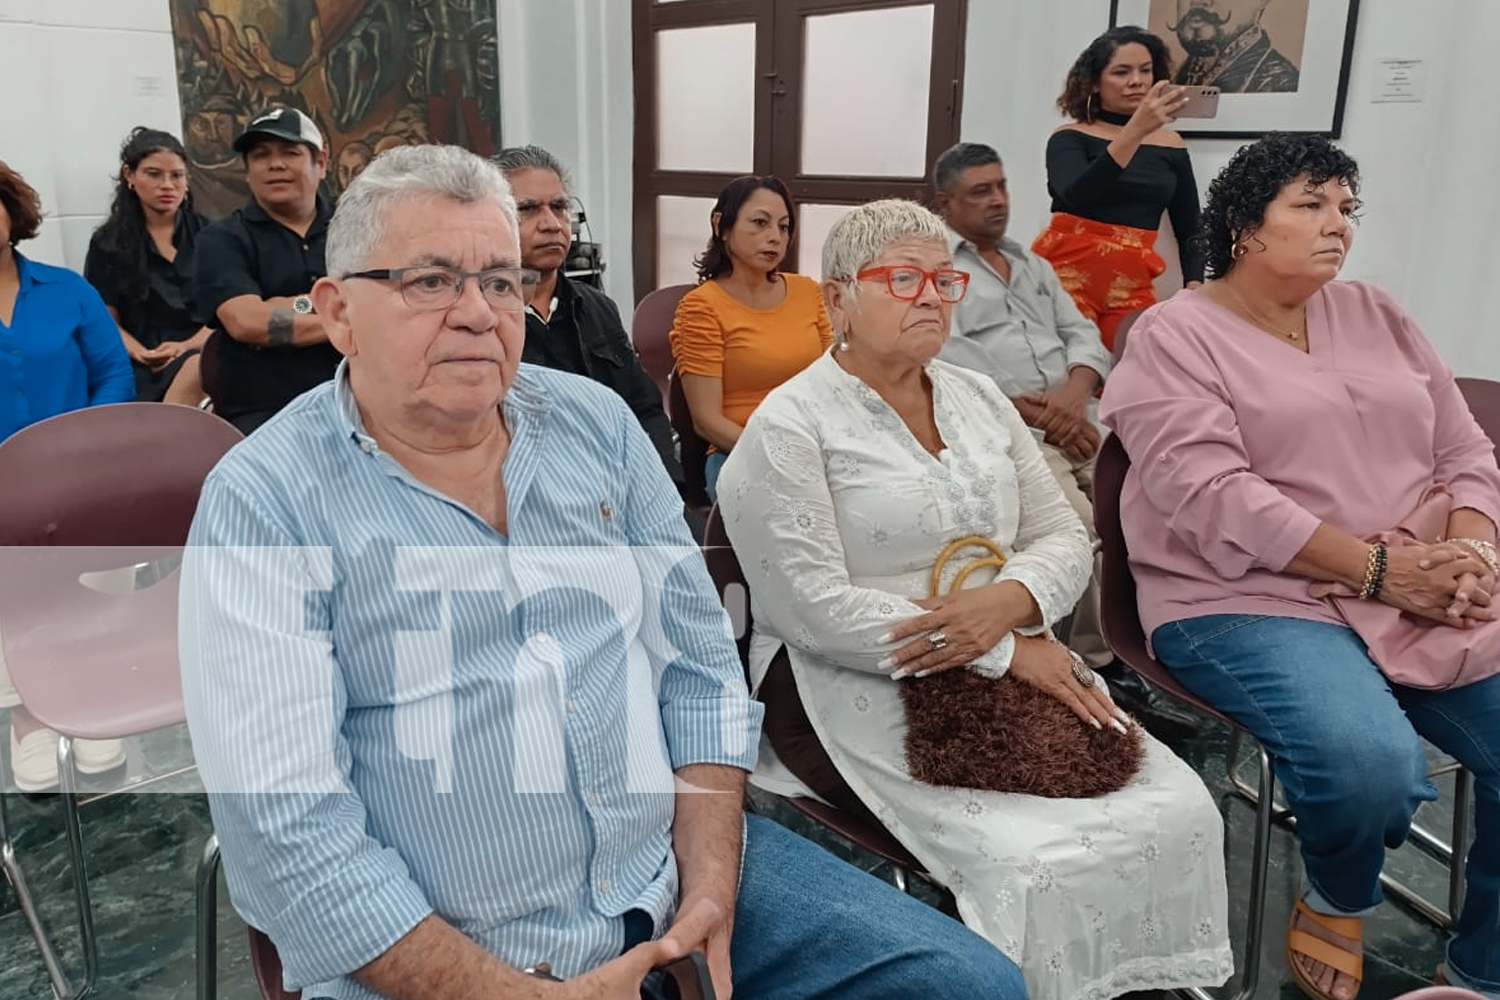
{"x":1112,"y":171}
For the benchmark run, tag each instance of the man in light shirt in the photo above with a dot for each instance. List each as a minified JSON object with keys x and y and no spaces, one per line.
{"x":459,"y":685}
{"x":1017,"y":325}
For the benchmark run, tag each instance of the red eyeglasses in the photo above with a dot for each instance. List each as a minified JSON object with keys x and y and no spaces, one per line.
{"x":906,"y":281}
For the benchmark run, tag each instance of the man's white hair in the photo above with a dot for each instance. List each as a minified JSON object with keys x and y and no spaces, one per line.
{"x":859,"y":238}
{"x":403,"y":172}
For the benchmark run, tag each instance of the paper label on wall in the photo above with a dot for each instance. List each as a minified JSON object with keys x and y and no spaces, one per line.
{"x":1399,"y":81}
{"x":149,"y":86}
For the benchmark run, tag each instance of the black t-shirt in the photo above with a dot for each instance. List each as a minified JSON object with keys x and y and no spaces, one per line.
{"x":1085,"y":180}
{"x":250,"y":253}
{"x":165,"y":313}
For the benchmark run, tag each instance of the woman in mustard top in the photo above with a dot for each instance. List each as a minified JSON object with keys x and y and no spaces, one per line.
{"x":747,"y":327}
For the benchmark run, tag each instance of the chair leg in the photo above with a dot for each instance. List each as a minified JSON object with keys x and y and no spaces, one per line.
{"x":68,"y":785}
{"x":1463,"y":798}
{"x":61,"y":985}
{"x":208,"y":920}
{"x":899,"y":879}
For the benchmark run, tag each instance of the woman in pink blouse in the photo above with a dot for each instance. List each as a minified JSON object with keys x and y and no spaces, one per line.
{"x":1275,"y":417}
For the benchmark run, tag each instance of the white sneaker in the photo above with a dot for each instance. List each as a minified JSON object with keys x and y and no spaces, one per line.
{"x":33,"y":761}
{"x":97,"y":756}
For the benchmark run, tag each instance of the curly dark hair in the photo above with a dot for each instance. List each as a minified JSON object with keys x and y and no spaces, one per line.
{"x":714,"y":260}
{"x":122,"y":238}
{"x":1080,"y":97}
{"x":1251,"y":180}
{"x":22,"y":204}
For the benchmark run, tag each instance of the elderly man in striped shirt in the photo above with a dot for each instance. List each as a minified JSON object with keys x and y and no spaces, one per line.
{"x":459,"y":685}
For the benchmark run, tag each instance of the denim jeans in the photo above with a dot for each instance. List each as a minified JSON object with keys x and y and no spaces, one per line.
{"x":810,"y":927}
{"x":1346,"y":747}
{"x":712,"y":466}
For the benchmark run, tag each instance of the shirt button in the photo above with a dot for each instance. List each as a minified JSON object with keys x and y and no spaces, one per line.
{"x":605,"y":885}
{"x":572,"y":705}
{"x":591,"y":799}
{"x":368,"y":447}
{"x":541,"y":637}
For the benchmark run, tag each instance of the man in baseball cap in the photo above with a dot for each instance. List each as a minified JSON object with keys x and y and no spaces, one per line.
{"x":280,"y":123}
{"x":253,"y":272}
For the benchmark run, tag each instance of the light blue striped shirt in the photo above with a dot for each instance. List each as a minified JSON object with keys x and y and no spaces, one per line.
{"x":398,"y":711}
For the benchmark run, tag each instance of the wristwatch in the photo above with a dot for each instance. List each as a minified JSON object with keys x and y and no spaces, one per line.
{"x":302,"y":305}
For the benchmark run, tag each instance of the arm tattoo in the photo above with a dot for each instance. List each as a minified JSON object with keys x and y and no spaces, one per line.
{"x":279,"y":329}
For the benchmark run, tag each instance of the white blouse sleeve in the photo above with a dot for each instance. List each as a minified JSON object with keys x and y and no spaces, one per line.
{"x":1053,"y":557}
{"x":779,"y":515}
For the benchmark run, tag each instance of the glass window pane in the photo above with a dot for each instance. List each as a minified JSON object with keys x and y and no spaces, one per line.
{"x":813,"y":223}
{"x":681,"y":234}
{"x":858,"y":123}
{"x":705,"y":101}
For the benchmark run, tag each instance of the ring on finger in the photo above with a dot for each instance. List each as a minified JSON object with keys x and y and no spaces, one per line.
{"x":937,"y":639}
{"x":1081,"y":672}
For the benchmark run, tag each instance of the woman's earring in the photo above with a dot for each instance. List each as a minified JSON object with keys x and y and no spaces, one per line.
{"x":843,"y":342}
{"x":1238,"y":250}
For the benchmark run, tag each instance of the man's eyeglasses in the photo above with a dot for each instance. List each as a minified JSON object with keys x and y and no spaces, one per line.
{"x":905,"y":281}
{"x":431,"y":287}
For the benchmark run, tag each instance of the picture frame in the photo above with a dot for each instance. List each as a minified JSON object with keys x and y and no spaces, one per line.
{"x":1282,"y":65}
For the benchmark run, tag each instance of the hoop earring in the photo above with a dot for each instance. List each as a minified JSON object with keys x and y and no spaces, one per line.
{"x":1239,"y":250}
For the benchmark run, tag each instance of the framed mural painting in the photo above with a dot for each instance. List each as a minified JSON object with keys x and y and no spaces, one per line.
{"x":1281,"y":65}
{"x":372,"y":73}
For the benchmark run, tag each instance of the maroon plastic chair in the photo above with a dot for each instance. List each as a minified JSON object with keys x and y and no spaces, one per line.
{"x":649,"y":330}
{"x":101,"y":489}
{"x":267,"y":965}
{"x":1483,"y":397}
{"x":729,"y":578}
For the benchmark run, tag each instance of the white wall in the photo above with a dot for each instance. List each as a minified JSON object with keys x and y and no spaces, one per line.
{"x":1429,"y":235}
{"x":1431,"y":205}
{"x":78,"y":75}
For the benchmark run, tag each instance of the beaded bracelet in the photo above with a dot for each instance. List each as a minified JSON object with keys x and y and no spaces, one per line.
{"x":1374,"y":573}
{"x":1484,"y":550}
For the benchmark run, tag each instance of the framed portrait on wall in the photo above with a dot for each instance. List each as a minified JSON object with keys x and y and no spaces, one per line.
{"x":1281,"y":65}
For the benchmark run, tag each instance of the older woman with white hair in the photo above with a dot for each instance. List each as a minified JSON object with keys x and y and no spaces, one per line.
{"x":850,"y":482}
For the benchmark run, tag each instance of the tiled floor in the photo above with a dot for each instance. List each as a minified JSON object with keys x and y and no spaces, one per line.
{"x":145,"y":848}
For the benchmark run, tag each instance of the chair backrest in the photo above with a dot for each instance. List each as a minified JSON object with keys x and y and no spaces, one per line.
{"x":649,"y":330}
{"x":692,"y":450}
{"x":1118,"y":610}
{"x":729,"y":580}
{"x":86,"y":498}
{"x":125,"y":474}
{"x":1483,"y":397}
{"x":267,"y":965}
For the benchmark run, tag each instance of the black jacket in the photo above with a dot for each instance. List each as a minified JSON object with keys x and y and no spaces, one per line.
{"x":585,"y":335}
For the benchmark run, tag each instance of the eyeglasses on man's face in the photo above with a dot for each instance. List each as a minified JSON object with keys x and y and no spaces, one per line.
{"x":906,"y":281}
{"x":432,"y":287}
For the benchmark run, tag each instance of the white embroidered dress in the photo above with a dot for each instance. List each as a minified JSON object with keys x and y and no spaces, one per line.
{"x":837,"y":514}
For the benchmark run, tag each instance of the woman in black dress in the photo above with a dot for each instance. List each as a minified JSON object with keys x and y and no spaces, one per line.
{"x":1112,"y":171}
{"x":140,"y":260}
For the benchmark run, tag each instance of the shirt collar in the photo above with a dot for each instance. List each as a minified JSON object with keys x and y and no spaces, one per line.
{"x":525,"y":399}
{"x":254,"y":213}
{"x":29,"y":274}
{"x":1008,"y":247}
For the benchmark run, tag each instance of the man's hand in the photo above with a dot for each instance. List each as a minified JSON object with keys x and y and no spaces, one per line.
{"x":618,"y":979}
{"x":1082,"y":444}
{"x":703,"y":924}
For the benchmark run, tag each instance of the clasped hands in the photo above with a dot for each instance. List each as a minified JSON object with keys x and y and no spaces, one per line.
{"x":1444,"y":582}
{"x":1062,"y":415}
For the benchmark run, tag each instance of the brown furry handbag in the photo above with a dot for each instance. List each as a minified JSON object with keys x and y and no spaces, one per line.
{"x":966,"y":730}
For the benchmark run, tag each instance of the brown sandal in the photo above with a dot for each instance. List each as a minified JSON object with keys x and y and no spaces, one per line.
{"x":1299,"y":942}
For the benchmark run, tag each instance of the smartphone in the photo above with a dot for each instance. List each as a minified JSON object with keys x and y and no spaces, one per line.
{"x":1203,"y":102}
{"x":685,"y":979}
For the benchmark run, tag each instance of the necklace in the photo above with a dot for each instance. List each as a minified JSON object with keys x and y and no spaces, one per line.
{"x":1292,"y":335}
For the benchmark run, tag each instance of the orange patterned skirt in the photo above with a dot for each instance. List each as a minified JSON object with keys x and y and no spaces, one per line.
{"x":1107,"y":269}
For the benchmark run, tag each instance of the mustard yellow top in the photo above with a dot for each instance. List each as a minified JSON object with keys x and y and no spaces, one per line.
{"x":751,"y":350}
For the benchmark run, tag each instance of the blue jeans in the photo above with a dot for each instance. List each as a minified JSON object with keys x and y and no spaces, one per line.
{"x":807,"y":926}
{"x":1346,"y":748}
{"x":712,"y":466}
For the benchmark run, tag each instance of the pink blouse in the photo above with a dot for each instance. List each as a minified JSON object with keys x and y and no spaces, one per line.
{"x":1240,"y":445}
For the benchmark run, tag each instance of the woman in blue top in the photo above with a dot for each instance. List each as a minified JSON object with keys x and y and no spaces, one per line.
{"x":59,"y":351}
